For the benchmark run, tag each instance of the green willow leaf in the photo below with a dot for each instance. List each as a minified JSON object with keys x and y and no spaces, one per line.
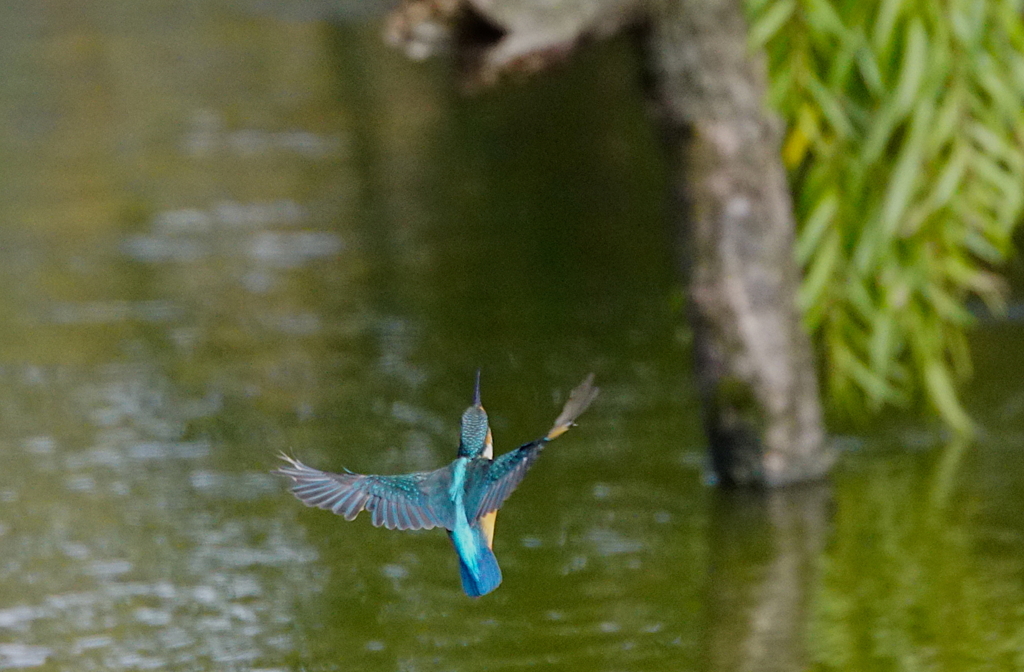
{"x":819,"y":219}
{"x":770,"y":22}
{"x":949,"y":177}
{"x":825,"y":263}
{"x":995,"y":145}
{"x":862,"y":299}
{"x":823,"y":19}
{"x":879,"y":134}
{"x":949,"y":307}
{"x":984,"y":167}
{"x":868,"y":68}
{"x":982,"y":247}
{"x":885,"y":24}
{"x":882,"y":345}
{"x":831,"y":108}
{"x":913,"y":67}
{"x":876,"y":387}
{"x":948,"y":119}
{"x":907,"y":175}
{"x":906,"y":146}
{"x":942,"y":393}
{"x":997,"y":86}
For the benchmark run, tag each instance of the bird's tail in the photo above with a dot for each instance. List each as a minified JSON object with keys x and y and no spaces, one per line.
{"x":486,"y":578}
{"x":481,"y":573}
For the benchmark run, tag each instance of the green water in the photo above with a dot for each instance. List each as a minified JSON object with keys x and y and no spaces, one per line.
{"x":244,"y":229}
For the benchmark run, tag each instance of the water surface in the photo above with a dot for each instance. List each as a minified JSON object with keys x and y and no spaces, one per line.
{"x":250,"y":228}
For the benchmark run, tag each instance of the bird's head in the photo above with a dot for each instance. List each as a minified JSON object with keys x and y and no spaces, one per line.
{"x":475,"y":434}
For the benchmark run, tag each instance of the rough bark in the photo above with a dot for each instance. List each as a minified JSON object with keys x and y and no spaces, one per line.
{"x":733,"y":213}
{"x":754,"y":361}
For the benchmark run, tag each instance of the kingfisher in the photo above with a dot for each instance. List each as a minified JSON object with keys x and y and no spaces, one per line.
{"x":463,"y":497}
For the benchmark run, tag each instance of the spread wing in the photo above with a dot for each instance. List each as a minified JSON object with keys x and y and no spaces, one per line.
{"x":415,"y":501}
{"x":499,"y":477}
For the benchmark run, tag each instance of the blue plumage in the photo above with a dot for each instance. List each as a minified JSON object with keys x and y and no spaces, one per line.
{"x":480,"y":573}
{"x":461,"y":497}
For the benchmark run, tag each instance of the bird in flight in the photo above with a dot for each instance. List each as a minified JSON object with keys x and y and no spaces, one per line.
{"x":462,"y":497}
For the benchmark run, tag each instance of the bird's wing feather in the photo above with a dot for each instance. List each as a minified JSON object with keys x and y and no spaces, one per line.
{"x":502,"y":475}
{"x":414,"y":501}
{"x":579,"y":400}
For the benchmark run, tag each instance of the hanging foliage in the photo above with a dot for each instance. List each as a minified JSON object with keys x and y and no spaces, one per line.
{"x":905,"y":142}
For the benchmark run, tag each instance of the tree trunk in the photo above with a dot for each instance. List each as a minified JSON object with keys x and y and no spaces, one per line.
{"x":735,"y":219}
{"x":732,"y":208}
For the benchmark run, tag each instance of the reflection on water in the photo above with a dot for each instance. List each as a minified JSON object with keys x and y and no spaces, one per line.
{"x":911,"y":580}
{"x":250,"y":229}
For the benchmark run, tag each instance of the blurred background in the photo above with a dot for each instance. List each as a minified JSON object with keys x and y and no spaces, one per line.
{"x":229,"y":229}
